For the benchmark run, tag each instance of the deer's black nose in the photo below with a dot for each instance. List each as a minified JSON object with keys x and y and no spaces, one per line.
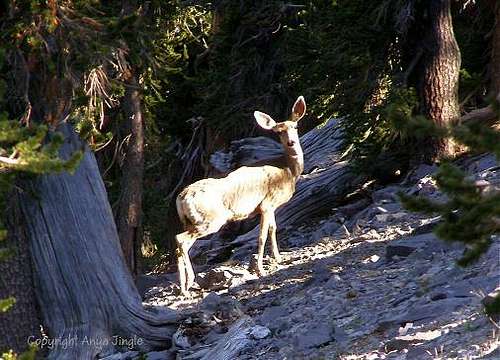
{"x":291,"y":143}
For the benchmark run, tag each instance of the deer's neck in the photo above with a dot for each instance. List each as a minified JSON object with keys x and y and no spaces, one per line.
{"x":295,"y":163}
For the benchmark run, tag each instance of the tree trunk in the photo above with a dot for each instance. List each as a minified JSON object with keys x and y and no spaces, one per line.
{"x":20,"y":323}
{"x":85,"y":291}
{"x":495,"y":54}
{"x":439,"y":82}
{"x":130,"y":204}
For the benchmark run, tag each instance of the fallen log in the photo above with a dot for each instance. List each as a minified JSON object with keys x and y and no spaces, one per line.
{"x":321,"y":146}
{"x":229,"y":346}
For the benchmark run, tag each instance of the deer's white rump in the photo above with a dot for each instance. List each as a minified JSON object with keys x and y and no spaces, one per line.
{"x":205,"y":206}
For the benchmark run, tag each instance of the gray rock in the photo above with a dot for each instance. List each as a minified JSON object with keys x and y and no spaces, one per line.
{"x":160,"y":355}
{"x":494,"y":355}
{"x":425,"y":186}
{"x":406,"y":246}
{"x":315,"y":336}
{"x":211,"y":302}
{"x":299,"y":240}
{"x":401,"y":250}
{"x":327,"y":229}
{"x":334,"y":281}
{"x":259,"y":332}
{"x":275,"y":318}
{"x":464,"y":288}
{"x":433,"y":310}
{"x":420,"y":172}
{"x":181,"y":340}
{"x":146,"y":282}
{"x":419,"y":312}
{"x":389,"y":208}
{"x":483,"y":163}
{"x":428,"y":227}
{"x":486,"y":284}
{"x":226,"y":307}
{"x":320,"y":273}
{"x":122,"y":356}
{"x":214,"y":279}
{"x":426,"y":244}
{"x":418,"y":353}
{"x":388,"y":193}
{"x":443,"y":277}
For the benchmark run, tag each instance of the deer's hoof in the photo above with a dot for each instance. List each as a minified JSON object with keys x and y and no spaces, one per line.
{"x":260,"y":272}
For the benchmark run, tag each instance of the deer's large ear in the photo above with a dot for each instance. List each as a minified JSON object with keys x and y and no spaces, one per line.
{"x":298,"y":109}
{"x":264,"y":120}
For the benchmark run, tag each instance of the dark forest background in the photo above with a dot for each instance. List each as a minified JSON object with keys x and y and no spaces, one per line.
{"x":155,"y":87}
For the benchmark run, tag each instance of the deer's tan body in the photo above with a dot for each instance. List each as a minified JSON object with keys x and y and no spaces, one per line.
{"x":206,"y":205}
{"x":240,"y":194}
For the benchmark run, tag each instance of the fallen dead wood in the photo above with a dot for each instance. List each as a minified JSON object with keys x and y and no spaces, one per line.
{"x":486,"y":115}
{"x":227,"y":347}
{"x":233,"y":342}
{"x":322,"y":146}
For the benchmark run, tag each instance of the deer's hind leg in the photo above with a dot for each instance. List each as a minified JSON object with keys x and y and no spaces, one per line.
{"x":185,"y":241}
{"x":264,"y":229}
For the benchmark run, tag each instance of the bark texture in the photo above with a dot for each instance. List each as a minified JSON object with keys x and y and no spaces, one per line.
{"x":130,"y":205}
{"x":84,"y":288}
{"x":21,"y":322}
{"x":439,"y":84}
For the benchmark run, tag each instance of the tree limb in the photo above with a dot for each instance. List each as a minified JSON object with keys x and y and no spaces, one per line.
{"x":486,"y":115}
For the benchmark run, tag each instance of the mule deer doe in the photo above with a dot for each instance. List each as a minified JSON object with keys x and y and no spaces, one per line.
{"x":205,"y":206}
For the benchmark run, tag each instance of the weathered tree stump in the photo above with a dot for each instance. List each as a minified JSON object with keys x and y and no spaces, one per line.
{"x":84,"y":288}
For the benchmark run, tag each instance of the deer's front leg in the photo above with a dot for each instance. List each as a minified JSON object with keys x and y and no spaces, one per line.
{"x":272,"y":235}
{"x":181,"y":266}
{"x":264,"y":228}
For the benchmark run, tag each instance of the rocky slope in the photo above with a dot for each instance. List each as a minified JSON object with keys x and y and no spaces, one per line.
{"x":369,"y":282}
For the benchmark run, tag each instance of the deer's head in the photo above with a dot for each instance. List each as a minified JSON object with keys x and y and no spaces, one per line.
{"x":286,"y":130}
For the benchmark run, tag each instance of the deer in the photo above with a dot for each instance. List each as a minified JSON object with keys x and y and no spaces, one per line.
{"x":207,"y":205}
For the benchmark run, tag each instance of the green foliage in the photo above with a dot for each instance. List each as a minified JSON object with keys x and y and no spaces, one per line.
{"x":27,"y":355}
{"x":6,"y":304}
{"x":493,"y":307}
{"x":479,"y":138}
{"x":27,"y":150}
{"x":471,"y":214}
{"x":468,"y":216}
